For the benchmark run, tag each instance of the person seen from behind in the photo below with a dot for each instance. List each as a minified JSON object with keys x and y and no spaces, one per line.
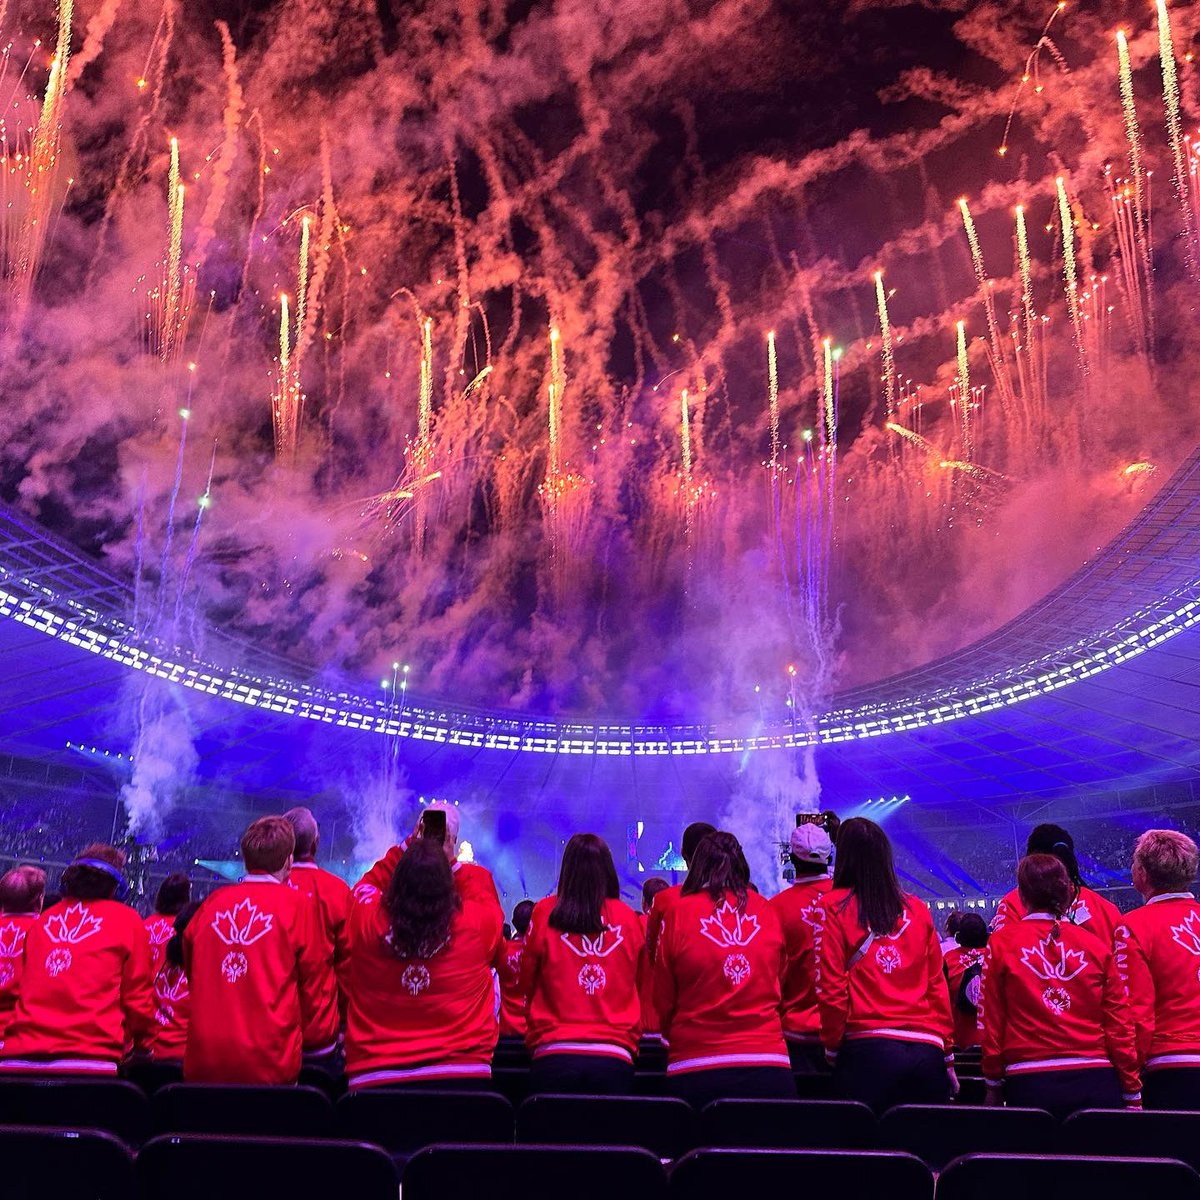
{"x":174,"y":893}
{"x":508,"y":971}
{"x":21,"y":892}
{"x":172,"y":996}
{"x":664,"y":898}
{"x":964,"y":976}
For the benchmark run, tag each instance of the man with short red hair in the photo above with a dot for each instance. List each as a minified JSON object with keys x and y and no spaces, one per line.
{"x":252,"y":959}
{"x":21,"y":893}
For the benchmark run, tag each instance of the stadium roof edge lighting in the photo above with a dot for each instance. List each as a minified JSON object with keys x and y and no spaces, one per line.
{"x":1142,"y":590}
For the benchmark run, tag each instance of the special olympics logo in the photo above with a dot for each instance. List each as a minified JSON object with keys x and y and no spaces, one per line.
{"x":234,"y":966}
{"x":58,"y":961}
{"x":1056,"y":1000}
{"x":888,"y":958}
{"x":737,"y":969}
{"x":592,"y":978}
{"x":415,"y":979}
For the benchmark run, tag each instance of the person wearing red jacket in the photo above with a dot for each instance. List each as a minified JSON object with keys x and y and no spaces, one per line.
{"x":1158,"y":955}
{"x":331,"y":896}
{"x":174,"y":893}
{"x":508,"y":971}
{"x":21,"y":893}
{"x":718,"y":983}
{"x":964,"y":977}
{"x":881,"y":994}
{"x":693,"y":835}
{"x":251,"y":956}
{"x":172,"y":997}
{"x":581,"y":971}
{"x":421,"y":999}
{"x":87,"y":984}
{"x":1088,"y":909}
{"x":799,"y":910}
{"x":650,"y":889}
{"x":1054,"y":1016}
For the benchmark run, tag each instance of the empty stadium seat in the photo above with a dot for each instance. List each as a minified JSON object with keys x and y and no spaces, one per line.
{"x":200,"y":1166}
{"x":42,"y":1163}
{"x":1101,"y":1132}
{"x":1004,"y":1176}
{"x":665,"y":1125}
{"x":789,"y":1124}
{"x":938,"y":1133}
{"x":243,"y":1109}
{"x":971,"y":1091}
{"x":114,"y":1105}
{"x":403,"y":1120}
{"x":523,"y":1172}
{"x":719,"y":1174}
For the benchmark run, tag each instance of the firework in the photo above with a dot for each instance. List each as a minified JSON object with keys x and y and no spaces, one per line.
{"x":287,"y":402}
{"x":1070,"y":272}
{"x":889,"y":356}
{"x":773,"y":400}
{"x":995,"y":346}
{"x":1170,"y":90}
{"x":963,"y":381}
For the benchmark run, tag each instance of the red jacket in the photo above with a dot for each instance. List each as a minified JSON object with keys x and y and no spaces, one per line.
{"x":718,"y":983}
{"x":1090,"y":911}
{"x":659,"y":907}
{"x":252,"y":962}
{"x":800,"y":911}
{"x":895,"y":990}
{"x":87,"y":987}
{"x":583,"y":989}
{"x":331,"y":896}
{"x":422,"y":1019}
{"x":160,"y":929}
{"x":512,"y":995}
{"x":468,"y":877}
{"x":1158,"y":955}
{"x":172,"y":1004}
{"x":12,"y":964}
{"x":966,"y":1025}
{"x":1054,"y":1004}
{"x":646,"y":987}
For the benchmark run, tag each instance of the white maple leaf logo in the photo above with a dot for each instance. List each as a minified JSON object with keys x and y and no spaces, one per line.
{"x":905,"y":922}
{"x":161,"y":932}
{"x":813,"y":914}
{"x":1187,"y":935}
{"x":12,"y":940}
{"x":73,"y":926}
{"x":600,"y":946}
{"x":243,"y":924}
{"x":514,"y":961}
{"x":729,"y":927}
{"x":1051,"y":960}
{"x":171,"y":986}
{"x":364,"y":892}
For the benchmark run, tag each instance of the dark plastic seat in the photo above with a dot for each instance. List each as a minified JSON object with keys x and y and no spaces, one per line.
{"x":333,"y":1085}
{"x":814,"y":1087}
{"x":1003,"y":1176}
{"x":523,"y":1172}
{"x":404,"y":1120}
{"x":511,"y":1082}
{"x":247,"y":1110}
{"x":651,"y":1083}
{"x":938,"y":1133}
{"x":200,"y":1166}
{"x":41,"y":1162}
{"x":971,"y":1091}
{"x":719,"y":1174}
{"x":510,"y":1052}
{"x":114,"y":1105}
{"x":150,"y":1075}
{"x":665,"y":1125}
{"x":651,"y":1054}
{"x":789,"y":1124}
{"x":1101,"y":1132}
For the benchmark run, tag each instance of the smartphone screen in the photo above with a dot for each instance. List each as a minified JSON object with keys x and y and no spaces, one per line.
{"x":433,"y":824}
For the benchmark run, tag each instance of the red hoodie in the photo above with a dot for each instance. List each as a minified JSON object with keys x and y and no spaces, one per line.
{"x":718,"y":983}
{"x":1158,"y":955}
{"x":1090,"y":911}
{"x":12,"y":964}
{"x":160,"y":929}
{"x":331,"y":896}
{"x":172,"y":1004}
{"x":252,"y":962}
{"x":583,"y":989}
{"x":87,"y":984}
{"x":1054,"y":1004}
{"x":512,"y":995}
{"x":895,"y":990}
{"x":422,"y":1019}
{"x":800,"y":911}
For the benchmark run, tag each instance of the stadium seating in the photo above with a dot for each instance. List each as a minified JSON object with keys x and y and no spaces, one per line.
{"x":404,"y":1120}
{"x":150,"y":1075}
{"x":1004,"y":1176}
{"x":720,"y":1174}
{"x":650,"y":1083}
{"x":83,"y":1163}
{"x":520,"y":1172}
{"x":258,"y":1111}
{"x":1114,"y":1131}
{"x":113,"y":1105}
{"x":662,"y":1124}
{"x":200,"y":1166}
{"x":512,"y":1082}
{"x":651,"y":1055}
{"x":789,"y":1124}
{"x":814,"y":1087}
{"x":938,"y":1133}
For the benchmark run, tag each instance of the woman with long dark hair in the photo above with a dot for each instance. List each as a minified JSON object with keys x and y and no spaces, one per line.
{"x":718,"y":983}
{"x":1057,"y":1030}
{"x":419,"y":984}
{"x":881,"y":994}
{"x":580,"y":970}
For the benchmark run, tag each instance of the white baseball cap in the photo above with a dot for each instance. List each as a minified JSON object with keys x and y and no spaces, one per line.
{"x":810,"y":843}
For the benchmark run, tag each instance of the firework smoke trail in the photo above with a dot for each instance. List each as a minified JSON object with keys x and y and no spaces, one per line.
{"x":93,"y":39}
{"x":963,"y":381}
{"x":1031,"y":370}
{"x":227,"y":152}
{"x":1133,"y":137}
{"x":685,"y":449}
{"x":1070,"y":273}
{"x":169,"y":528}
{"x":286,"y":402}
{"x":1170,"y":90}
{"x":422,"y":448}
{"x":995,"y":344}
{"x":1134,"y":287}
{"x":889,"y":354}
{"x":202,"y":506}
{"x":173,"y":317}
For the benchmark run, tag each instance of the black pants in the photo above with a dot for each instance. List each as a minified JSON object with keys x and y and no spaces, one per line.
{"x":581,"y":1074}
{"x":1061,"y":1093}
{"x":884,"y":1072}
{"x":698,"y":1088}
{"x":808,"y":1058}
{"x":1172,"y":1087}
